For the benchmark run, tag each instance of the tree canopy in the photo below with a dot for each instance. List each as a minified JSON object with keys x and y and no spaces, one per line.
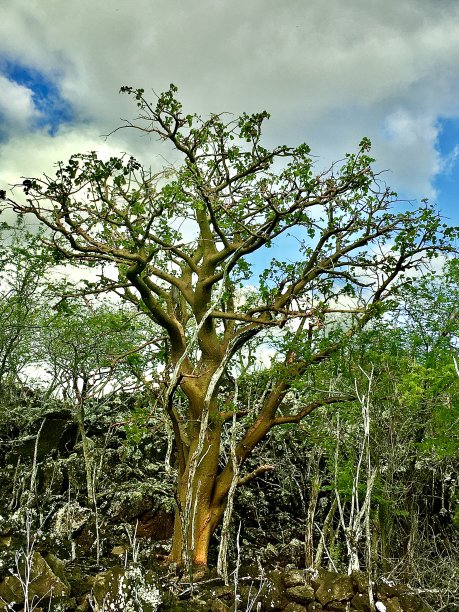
{"x":183,"y":242}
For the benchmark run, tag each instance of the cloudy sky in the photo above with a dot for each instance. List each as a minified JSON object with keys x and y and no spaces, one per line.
{"x":329,"y":72}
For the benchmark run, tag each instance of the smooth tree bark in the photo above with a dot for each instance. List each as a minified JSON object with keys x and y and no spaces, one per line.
{"x":183,"y":241}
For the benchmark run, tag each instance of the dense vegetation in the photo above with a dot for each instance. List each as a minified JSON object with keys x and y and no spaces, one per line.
{"x":307,"y":414}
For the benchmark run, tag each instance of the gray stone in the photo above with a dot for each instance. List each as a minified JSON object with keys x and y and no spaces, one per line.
{"x":58,"y":431}
{"x":393,"y":605}
{"x":301,"y":594}
{"x":411,"y":602}
{"x":294,"y":578}
{"x":70,"y":519}
{"x":387,"y":588}
{"x":361,"y":581}
{"x":320,"y":576}
{"x":43,"y":583}
{"x":294,"y":607}
{"x":219,"y":606}
{"x":337,"y":606}
{"x":130,"y":589}
{"x":361,"y":602}
{"x":335,"y":587}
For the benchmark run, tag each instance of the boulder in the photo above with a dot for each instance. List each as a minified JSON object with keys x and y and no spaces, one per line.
{"x":387,"y":588}
{"x":411,"y":602}
{"x":43,"y":583}
{"x":360,"y":580}
{"x":392,"y":605}
{"x":361,"y":602}
{"x":131,"y":589}
{"x":144,"y":504}
{"x":219,"y":606}
{"x":301,"y":594}
{"x":273,"y":593}
{"x":294,"y":607}
{"x":337,"y":606}
{"x":335,"y":587}
{"x":314,"y":607}
{"x":69,"y":519}
{"x":58,"y":432}
{"x":295,"y":577}
{"x":320,"y":576}
{"x":61,"y":604}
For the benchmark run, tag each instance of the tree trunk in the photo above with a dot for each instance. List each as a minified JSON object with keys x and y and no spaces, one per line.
{"x":197,"y":515}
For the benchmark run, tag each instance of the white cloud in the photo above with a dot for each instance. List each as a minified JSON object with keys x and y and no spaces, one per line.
{"x":329,"y":73}
{"x":448,"y":162}
{"x":16,"y":104}
{"x":37,"y":152}
{"x":405,"y":129}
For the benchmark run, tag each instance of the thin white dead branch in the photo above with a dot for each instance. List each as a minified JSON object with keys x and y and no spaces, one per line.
{"x":359,"y":516}
{"x":222,"y":562}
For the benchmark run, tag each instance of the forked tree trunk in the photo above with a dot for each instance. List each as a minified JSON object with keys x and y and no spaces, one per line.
{"x":197,"y":515}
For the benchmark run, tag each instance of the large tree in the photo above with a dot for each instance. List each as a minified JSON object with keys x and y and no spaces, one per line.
{"x":183,"y":240}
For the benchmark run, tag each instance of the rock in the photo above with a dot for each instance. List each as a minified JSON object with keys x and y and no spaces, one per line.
{"x":320,"y":576}
{"x":360,"y":580}
{"x":410,"y":602}
{"x":141,"y":504}
{"x":270,"y":553}
{"x":294,"y":607}
{"x":85,"y":604}
{"x":392,"y":605}
{"x":219,"y":606}
{"x":337,"y":606}
{"x":130,"y":589}
{"x":76,"y":473}
{"x":301,"y":594}
{"x":58,"y":567}
{"x":273,"y":593}
{"x":61,"y":604}
{"x":400,"y":595}
{"x":81,"y":583}
{"x":222,"y":591}
{"x":387,"y":588}
{"x":53,"y":476}
{"x":58,"y":433}
{"x":43,"y":583}
{"x":335,"y":587}
{"x":295,"y":577}
{"x":70,"y":519}
{"x":314,"y":607}
{"x":361,"y":602}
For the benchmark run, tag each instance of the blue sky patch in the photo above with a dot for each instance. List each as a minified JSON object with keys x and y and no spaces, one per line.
{"x":46,"y":96}
{"x":447,"y":182}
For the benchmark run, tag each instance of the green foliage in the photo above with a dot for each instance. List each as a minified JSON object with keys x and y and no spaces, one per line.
{"x":180,"y":247}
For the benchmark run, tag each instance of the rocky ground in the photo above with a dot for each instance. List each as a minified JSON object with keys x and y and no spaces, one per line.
{"x":59,"y":551}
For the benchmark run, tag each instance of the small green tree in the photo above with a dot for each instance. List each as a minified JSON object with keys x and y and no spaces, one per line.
{"x":182,"y":242}
{"x":22,"y":295}
{"x":85,"y":350}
